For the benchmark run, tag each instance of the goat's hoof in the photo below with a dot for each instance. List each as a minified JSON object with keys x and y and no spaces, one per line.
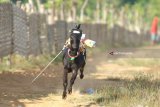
{"x":70,"y":91}
{"x":81,"y":76}
{"x":64,"y":96}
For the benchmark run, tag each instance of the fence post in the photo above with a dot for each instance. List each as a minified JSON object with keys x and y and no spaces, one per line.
{"x":12,"y":40}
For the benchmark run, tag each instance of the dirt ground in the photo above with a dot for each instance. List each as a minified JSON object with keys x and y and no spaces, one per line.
{"x":16,"y":89}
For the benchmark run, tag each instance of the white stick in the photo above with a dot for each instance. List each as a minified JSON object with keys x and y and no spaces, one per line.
{"x":46,"y":66}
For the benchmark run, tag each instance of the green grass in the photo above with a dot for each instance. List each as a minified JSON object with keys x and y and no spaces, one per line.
{"x":22,"y":63}
{"x":142,"y":91}
{"x":4,"y":1}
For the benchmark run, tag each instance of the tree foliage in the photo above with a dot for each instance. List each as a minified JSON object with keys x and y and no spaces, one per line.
{"x":2,"y":1}
{"x":132,"y":10}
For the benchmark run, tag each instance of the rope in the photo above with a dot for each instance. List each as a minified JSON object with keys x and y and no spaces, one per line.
{"x":47,"y":66}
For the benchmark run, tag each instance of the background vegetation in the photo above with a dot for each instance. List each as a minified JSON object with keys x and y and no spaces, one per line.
{"x":136,"y":14}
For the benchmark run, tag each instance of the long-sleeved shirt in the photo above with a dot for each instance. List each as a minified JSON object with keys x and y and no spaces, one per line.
{"x":154,"y":26}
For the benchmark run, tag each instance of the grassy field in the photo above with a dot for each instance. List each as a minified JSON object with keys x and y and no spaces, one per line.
{"x":139,"y":92}
{"x":143,"y":90}
{"x":138,"y":83}
{"x":22,"y":63}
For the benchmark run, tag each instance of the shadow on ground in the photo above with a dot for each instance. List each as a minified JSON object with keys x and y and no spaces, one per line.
{"x":17,"y":85}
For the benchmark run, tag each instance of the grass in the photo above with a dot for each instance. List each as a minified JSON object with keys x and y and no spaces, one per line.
{"x":140,"y":92}
{"x":147,"y":62}
{"x":22,"y":63}
{"x":32,"y":62}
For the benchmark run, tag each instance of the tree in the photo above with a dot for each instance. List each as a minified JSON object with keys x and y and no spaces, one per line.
{"x":82,"y":10}
{"x":2,"y":1}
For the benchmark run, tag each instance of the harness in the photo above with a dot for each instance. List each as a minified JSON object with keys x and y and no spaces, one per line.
{"x":72,"y":57}
{"x":81,"y":49}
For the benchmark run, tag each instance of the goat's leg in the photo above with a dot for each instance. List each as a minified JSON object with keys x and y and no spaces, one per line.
{"x":65,"y":83}
{"x":81,"y":73}
{"x":74,"y":75}
{"x":84,"y":63}
{"x":81,"y":70}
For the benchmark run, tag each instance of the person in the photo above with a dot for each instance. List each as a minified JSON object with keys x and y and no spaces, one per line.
{"x":154,"y":31}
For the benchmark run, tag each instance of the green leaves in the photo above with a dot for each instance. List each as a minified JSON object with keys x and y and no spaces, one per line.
{"x":3,"y":1}
{"x":146,"y":9}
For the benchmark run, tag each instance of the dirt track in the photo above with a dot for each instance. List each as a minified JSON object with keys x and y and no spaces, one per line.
{"x":16,"y":89}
